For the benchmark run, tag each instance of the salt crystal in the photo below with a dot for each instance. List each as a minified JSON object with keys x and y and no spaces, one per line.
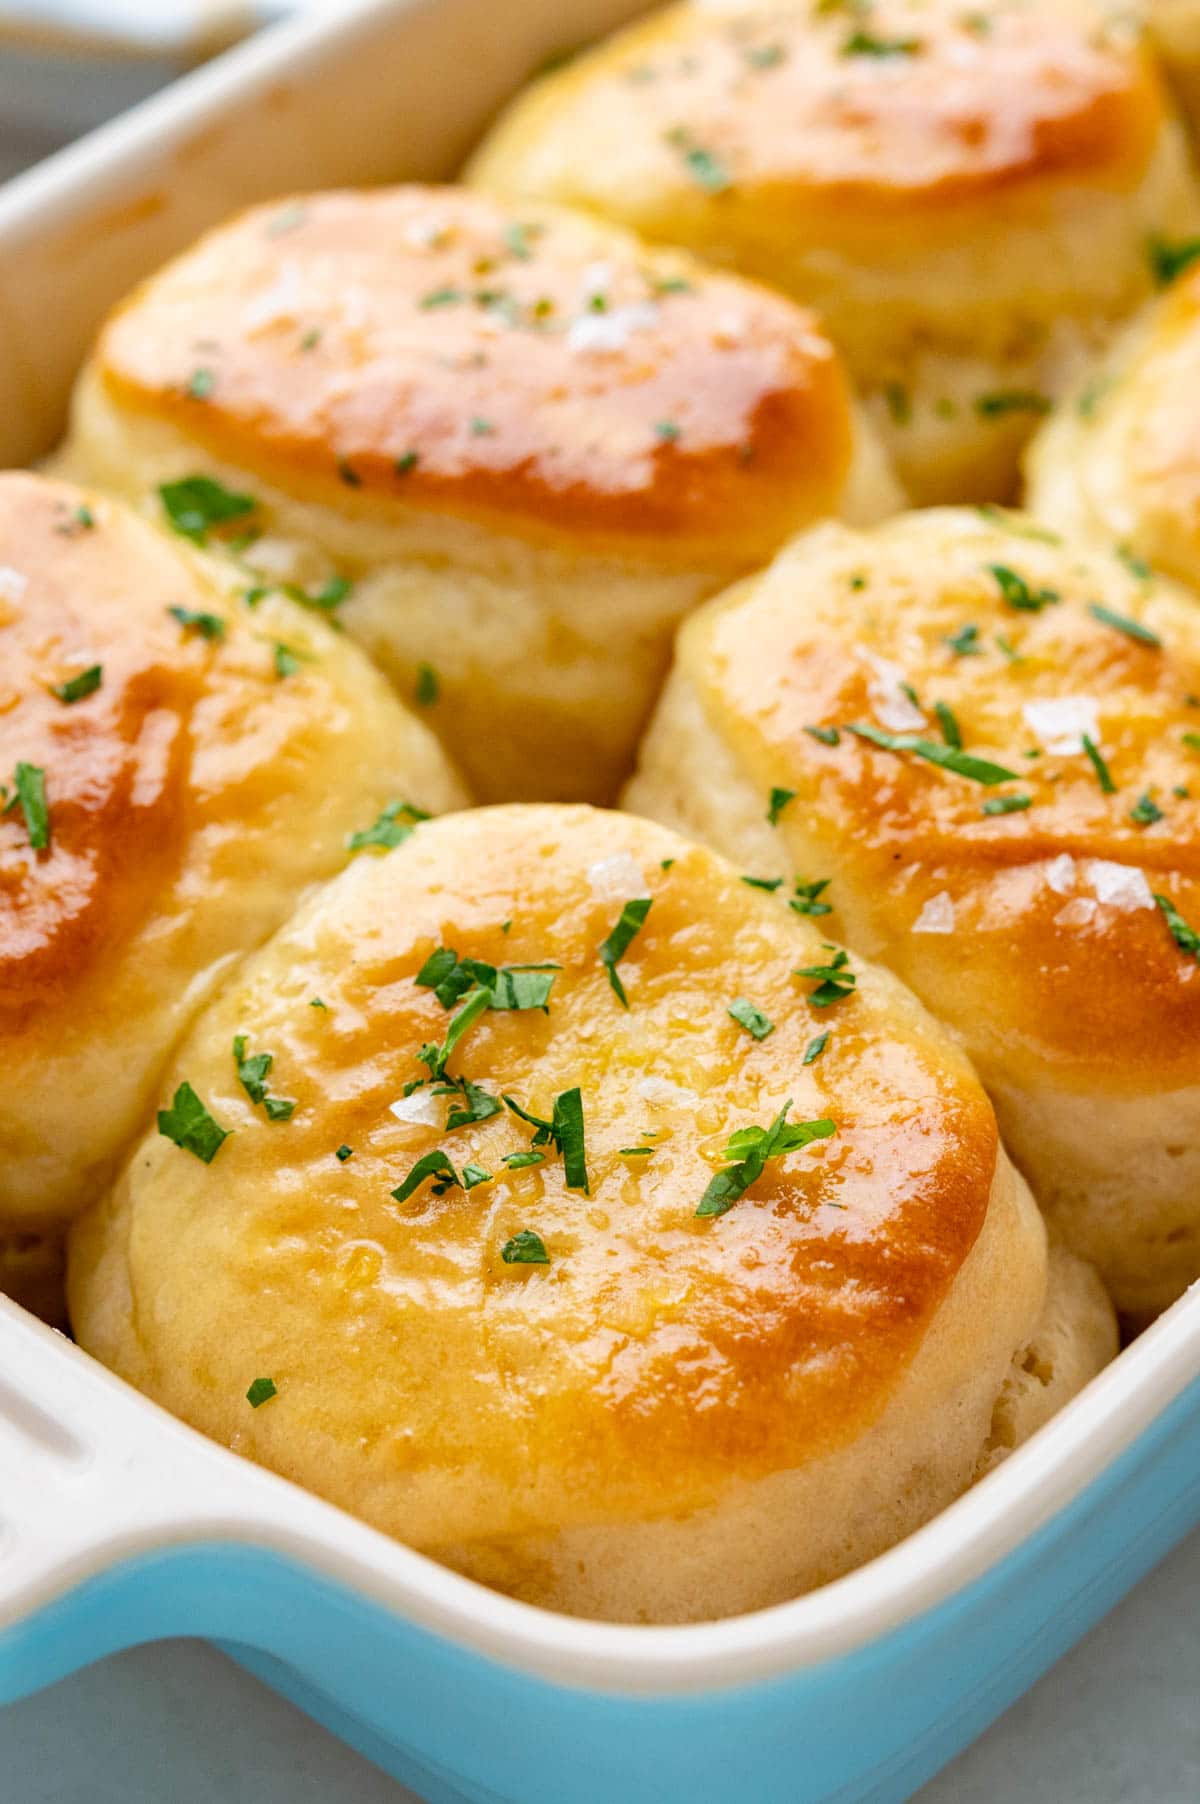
{"x":1061,"y":874}
{"x":1078,"y":912}
{"x":611,"y":331}
{"x":13,"y":583}
{"x":421,"y":1109}
{"x":1059,"y":722}
{"x":1120,"y":886}
{"x":937,"y":916}
{"x":617,"y":879}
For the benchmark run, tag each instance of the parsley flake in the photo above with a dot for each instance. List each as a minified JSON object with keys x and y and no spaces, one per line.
{"x":196,"y":504}
{"x":1017,"y":592}
{"x":807,"y":899}
{"x":965,"y":642}
{"x":756,"y":1024}
{"x":815,"y":1048}
{"x":391,"y":827}
{"x":525,"y":1248}
{"x":1146,"y":811}
{"x":343,"y":1153}
{"x":1133,"y":629}
{"x":749,"y":1149}
{"x":188,"y":1123}
{"x":826,"y":735}
{"x":963,"y":764}
{"x":1185,"y":937}
{"x":705,"y":168}
{"x":193,"y":620}
{"x":834,"y":981}
{"x":612,"y":950}
{"x":260,"y":1392}
{"x":1169,"y":258}
{"x":1096,"y":759}
{"x":1007,"y":804}
{"x":779,"y":800}
{"x":29,"y":792}
{"x":77,"y":687}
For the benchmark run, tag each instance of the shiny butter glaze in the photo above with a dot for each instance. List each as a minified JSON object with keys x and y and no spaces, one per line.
{"x":950,"y":103}
{"x":1098,"y":990}
{"x":117,"y":763}
{"x":425,"y":347}
{"x":657,"y":1356}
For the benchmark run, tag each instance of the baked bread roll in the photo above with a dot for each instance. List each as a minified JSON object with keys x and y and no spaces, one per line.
{"x":987,"y":739}
{"x":1119,"y":461}
{"x":1174,"y":27}
{"x":176,"y":769}
{"x":574,"y":1319}
{"x":515,"y":446}
{"x":966,"y":196}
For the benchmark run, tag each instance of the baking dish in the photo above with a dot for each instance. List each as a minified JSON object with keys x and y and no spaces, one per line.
{"x":117,"y":1524}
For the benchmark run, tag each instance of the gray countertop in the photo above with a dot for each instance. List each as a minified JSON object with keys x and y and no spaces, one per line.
{"x":1117,"y":1722}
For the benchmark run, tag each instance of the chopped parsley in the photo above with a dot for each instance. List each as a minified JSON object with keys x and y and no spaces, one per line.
{"x":898,"y":402}
{"x":748,"y":1152}
{"x":1185,"y":937}
{"x":864,"y":43}
{"x":287,"y":662}
{"x":391,"y":827}
{"x":1170,"y":257}
{"x":508,"y":986}
{"x":525,"y":1248}
{"x":518,"y":1161}
{"x":481,"y":428}
{"x":325,"y":600}
{"x":1007,"y":804}
{"x":1136,"y":566}
{"x":77,"y":687}
{"x":667,"y":430}
{"x":815,"y":1048}
{"x":756,"y":1024}
{"x":1192,"y":741}
{"x":779,"y":800}
{"x":29,"y":793}
{"x":252,"y":1075}
{"x":704,"y":167}
{"x":564,"y":1130}
{"x":343,"y":1153}
{"x":826,"y":735}
{"x":1146,"y":811}
{"x":634,"y":1152}
{"x":613,"y":949}
{"x":435,"y":1057}
{"x":770,"y":884}
{"x":1096,"y":759}
{"x":188,"y":1123}
{"x":194,"y":620}
{"x":949,"y":725}
{"x":260,"y":1392}
{"x":834,"y":981}
{"x":435,"y":1165}
{"x":1133,"y":629}
{"x":965,"y":642}
{"x":196,"y":504}
{"x":80,"y":519}
{"x":1004,"y":401}
{"x":1017,"y":592}
{"x":807,"y":899}
{"x":427,"y":686}
{"x":200,"y":385}
{"x":963,"y":764}
{"x":406,"y":463}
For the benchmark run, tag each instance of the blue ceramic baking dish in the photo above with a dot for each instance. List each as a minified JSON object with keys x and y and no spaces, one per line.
{"x":119,"y":1525}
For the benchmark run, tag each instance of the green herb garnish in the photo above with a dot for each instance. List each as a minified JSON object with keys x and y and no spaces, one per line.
{"x":390,"y":828}
{"x":196,"y":504}
{"x":188,"y":1123}
{"x":1170,"y":257}
{"x":194,"y":620}
{"x":826,"y":735}
{"x":29,"y":792}
{"x":343,"y":1153}
{"x":1133,"y":629}
{"x":427,"y":686}
{"x":76,"y":687}
{"x":815,"y":1048}
{"x":779,"y":800}
{"x":949,"y":725}
{"x":807,"y":899}
{"x":1096,"y":759}
{"x":525,"y":1248}
{"x":834,"y":981}
{"x":613,"y":949}
{"x":770,"y":884}
{"x":965,"y":642}
{"x":260,"y":1392}
{"x":963,"y":764}
{"x":1007,"y":804}
{"x":1017,"y":592}
{"x":1146,"y":811}
{"x":705,"y":168}
{"x":751,"y":1148}
{"x":1004,"y":401}
{"x":756,"y":1024}
{"x":1185,"y":937}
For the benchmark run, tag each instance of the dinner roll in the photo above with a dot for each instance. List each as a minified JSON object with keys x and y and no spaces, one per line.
{"x":1119,"y":461}
{"x":175,"y":769}
{"x":1174,"y":26}
{"x":617,"y":1253}
{"x":989,"y":740}
{"x":965,"y":194}
{"x":515,"y":445}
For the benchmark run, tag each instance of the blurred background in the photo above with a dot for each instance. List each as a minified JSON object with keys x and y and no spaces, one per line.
{"x":67,"y":65}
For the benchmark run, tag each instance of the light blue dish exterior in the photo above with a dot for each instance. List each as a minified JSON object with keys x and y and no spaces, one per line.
{"x":462,"y":1729}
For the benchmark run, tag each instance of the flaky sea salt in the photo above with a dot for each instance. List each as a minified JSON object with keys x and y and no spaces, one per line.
{"x":1061,"y":874}
{"x":611,"y":331}
{"x":1059,"y":722}
{"x":1078,"y":912}
{"x":421,"y":1109}
{"x":13,"y":583}
{"x":937,"y":916}
{"x":1120,"y":886}
{"x":617,"y":879}
{"x":890,"y":705}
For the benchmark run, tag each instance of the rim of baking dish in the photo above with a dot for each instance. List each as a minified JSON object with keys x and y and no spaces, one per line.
{"x":1031,"y":1488}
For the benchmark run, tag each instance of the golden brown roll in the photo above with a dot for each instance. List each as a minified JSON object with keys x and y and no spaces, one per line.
{"x":521,"y":443}
{"x":697,"y":1278}
{"x":1119,"y":462}
{"x":965,"y":195}
{"x":1174,"y":28}
{"x":175,"y":769}
{"x":988,"y":741}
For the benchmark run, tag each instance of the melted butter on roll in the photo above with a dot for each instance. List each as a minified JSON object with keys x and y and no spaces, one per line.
{"x":596,"y":1257}
{"x":527,"y":441}
{"x":965,"y":195}
{"x":176,"y":769}
{"x":990,"y":736}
